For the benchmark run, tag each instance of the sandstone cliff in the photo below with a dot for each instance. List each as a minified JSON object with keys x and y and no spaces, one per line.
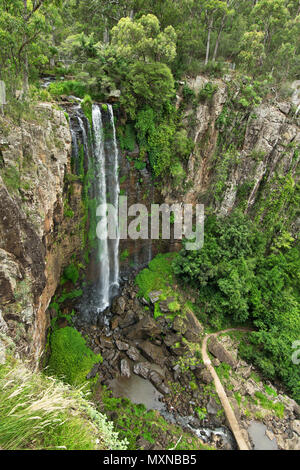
{"x":246,"y":154}
{"x":35,"y":238}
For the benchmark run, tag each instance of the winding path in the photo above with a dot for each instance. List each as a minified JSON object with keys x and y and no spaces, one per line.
{"x":232,"y":421}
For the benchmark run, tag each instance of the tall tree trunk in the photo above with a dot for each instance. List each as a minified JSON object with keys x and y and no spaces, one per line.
{"x":218,"y":38}
{"x":105,"y":32}
{"x":210,"y":25}
{"x":26,"y":67}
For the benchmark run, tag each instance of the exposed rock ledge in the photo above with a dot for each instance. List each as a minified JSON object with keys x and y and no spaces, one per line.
{"x":34,"y":158}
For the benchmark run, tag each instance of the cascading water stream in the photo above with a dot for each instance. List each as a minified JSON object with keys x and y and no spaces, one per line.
{"x":107,"y":162}
{"x":115,"y":191}
{"x":99,"y":154}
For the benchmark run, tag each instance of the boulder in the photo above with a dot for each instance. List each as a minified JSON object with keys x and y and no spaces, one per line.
{"x":125,"y":368}
{"x":194,"y":330}
{"x":121,"y":345}
{"x":93,"y":372}
{"x":217,"y":350}
{"x":2,"y":353}
{"x":270,"y":435}
{"x":251,"y":387}
{"x":3,"y":325}
{"x":295,"y":426}
{"x":284,"y":107}
{"x":246,"y":372}
{"x":145,"y":328}
{"x":10,"y":273}
{"x":172,"y":338}
{"x":154,"y":296}
{"x":106,"y":343}
{"x":212,"y":406}
{"x":179,"y":325}
{"x":128,"y":320}
{"x":205,"y":376}
{"x":133,"y":354}
{"x":118,"y":306}
{"x":158,"y":381}
{"x":152,"y":353}
{"x":142,"y":369}
{"x":216,"y":362}
{"x":177,"y":371}
{"x":113,"y":96}
{"x":114,"y":322}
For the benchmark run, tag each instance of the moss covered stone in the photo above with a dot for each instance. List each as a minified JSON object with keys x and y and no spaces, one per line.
{"x":71,"y":360}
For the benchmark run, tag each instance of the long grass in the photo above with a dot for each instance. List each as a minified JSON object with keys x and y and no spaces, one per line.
{"x":38,"y":412}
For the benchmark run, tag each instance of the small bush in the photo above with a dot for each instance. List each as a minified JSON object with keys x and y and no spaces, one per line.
{"x":188,"y":94}
{"x":124,"y":255}
{"x":71,"y":273}
{"x":126,"y":136}
{"x":68,"y":87}
{"x":138,"y":165}
{"x":174,"y":306}
{"x":87,"y":106}
{"x":207,"y":92}
{"x":157,"y":275}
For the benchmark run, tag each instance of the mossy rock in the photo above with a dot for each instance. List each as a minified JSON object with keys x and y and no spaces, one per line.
{"x":179,"y":325}
{"x":70,"y":360}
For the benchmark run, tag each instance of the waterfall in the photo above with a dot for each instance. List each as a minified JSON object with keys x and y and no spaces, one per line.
{"x":95,"y":150}
{"x":106,"y":158}
{"x":75,"y":151}
{"x":85,"y":135}
{"x":115,"y":191}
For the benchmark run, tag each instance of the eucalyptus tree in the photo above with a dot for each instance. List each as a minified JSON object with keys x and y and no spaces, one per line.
{"x":22,"y":23}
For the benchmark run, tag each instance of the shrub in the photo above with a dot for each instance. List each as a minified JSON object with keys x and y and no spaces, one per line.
{"x":124,"y":255}
{"x":126,"y":136}
{"x":151,"y":84}
{"x":188,"y":94}
{"x":71,"y":273}
{"x":157,"y":276}
{"x":87,"y":106}
{"x":207,"y":92}
{"x":138,"y":165}
{"x":68,"y":87}
{"x":174,"y":306}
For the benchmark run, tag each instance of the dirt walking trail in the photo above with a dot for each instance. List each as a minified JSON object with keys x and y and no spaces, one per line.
{"x":232,"y":421}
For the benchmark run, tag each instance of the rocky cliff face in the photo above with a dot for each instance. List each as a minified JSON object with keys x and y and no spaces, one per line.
{"x":244,"y":156}
{"x":35,"y":237}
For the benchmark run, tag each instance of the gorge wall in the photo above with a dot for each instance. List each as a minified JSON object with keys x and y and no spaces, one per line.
{"x":242,"y":158}
{"x":36,"y":237}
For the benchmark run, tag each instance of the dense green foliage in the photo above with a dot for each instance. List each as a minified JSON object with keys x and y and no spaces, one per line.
{"x":240,"y":277}
{"x":70,"y":360}
{"x":157,"y":276}
{"x":140,"y":48}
